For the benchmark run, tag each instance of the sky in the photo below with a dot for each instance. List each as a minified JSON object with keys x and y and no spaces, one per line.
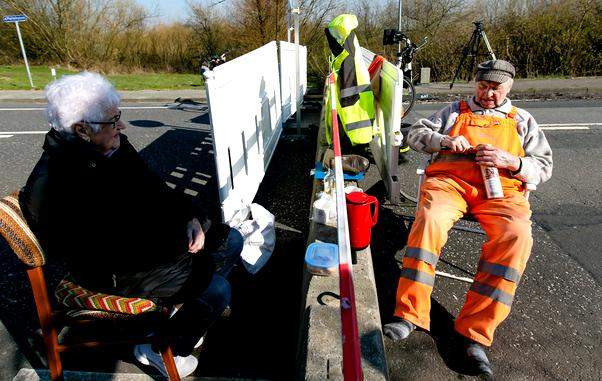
{"x":167,"y":10}
{"x":177,"y":10}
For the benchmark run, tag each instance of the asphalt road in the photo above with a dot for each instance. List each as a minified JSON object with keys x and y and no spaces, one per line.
{"x":568,"y":209}
{"x":569,"y":206}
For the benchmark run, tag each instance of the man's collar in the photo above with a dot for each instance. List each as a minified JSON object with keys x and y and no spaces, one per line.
{"x":505,"y":107}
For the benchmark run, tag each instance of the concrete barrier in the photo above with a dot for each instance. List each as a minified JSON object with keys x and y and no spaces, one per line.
{"x":320,"y":346}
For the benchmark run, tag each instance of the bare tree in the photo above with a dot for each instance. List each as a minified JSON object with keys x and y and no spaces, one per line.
{"x":541,"y":37}
{"x":78,"y":32}
{"x":210,"y":29}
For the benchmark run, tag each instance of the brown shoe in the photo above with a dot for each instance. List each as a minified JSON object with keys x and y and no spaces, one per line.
{"x":351,"y":163}
{"x":355,"y":164}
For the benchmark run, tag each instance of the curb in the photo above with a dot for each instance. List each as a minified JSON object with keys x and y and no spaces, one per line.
{"x":197,"y":95}
{"x":558,"y":88}
{"x":543,"y":89}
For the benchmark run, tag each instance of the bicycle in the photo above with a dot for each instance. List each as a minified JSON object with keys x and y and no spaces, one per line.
{"x":404,"y":60}
{"x":213,"y":62}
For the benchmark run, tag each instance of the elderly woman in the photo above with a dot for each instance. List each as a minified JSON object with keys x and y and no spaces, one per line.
{"x":93,"y":202}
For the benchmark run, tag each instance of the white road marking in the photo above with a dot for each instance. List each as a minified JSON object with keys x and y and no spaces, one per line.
{"x":556,"y":128}
{"x":549,"y":127}
{"x":142,"y":107}
{"x":5,"y":136}
{"x":568,"y":126}
{"x":22,"y":109}
{"x":122,"y":107}
{"x":23,"y":132}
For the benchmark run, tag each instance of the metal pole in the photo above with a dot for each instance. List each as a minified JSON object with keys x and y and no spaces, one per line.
{"x":296,"y":12}
{"x":399,"y":29}
{"x":23,"y":52}
{"x":288,"y":22}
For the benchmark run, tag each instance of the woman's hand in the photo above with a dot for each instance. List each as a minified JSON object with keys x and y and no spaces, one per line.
{"x":196,"y":237}
{"x":490,"y":156}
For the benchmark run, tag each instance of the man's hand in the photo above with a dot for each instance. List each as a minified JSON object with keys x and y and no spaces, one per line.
{"x":456,"y":143}
{"x":196,"y":237}
{"x":490,"y":156}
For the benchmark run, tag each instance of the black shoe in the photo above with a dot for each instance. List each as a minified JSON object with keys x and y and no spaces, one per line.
{"x":477,"y":359}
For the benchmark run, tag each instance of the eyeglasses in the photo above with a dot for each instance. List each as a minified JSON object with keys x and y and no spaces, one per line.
{"x":113,"y":121}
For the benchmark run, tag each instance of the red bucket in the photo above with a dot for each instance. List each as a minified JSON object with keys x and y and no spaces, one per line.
{"x":362,"y":214}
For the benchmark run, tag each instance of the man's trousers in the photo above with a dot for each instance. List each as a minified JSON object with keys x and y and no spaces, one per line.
{"x":443,"y":200}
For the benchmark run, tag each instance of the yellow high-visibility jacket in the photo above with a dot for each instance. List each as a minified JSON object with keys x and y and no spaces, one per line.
{"x":355,"y":100}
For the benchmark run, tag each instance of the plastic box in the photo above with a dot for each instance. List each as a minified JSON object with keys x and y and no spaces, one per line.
{"x":322,"y":258}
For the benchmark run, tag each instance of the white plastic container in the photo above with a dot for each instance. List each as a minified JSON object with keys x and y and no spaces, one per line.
{"x":322,"y":258}
{"x":493,"y":185}
{"x":324,"y":210}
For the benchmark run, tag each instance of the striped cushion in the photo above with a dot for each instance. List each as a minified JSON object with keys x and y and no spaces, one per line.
{"x":19,"y":236}
{"x":71,"y":295}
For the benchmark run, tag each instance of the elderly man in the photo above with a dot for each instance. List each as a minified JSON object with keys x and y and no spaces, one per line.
{"x":486,"y":130}
{"x":119,"y":228}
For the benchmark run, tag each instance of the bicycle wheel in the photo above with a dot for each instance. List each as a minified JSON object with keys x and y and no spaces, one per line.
{"x":407,"y":100}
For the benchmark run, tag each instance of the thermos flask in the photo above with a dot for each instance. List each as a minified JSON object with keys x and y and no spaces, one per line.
{"x":493,"y":185}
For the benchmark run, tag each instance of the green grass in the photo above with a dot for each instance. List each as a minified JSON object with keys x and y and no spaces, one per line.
{"x":15,"y":78}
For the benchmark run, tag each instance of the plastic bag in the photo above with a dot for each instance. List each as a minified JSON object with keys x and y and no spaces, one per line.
{"x":260,"y":238}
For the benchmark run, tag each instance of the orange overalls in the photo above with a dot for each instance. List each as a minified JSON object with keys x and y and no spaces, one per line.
{"x":453,"y":187}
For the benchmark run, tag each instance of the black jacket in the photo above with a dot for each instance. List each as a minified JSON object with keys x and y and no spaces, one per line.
{"x":104,"y":215}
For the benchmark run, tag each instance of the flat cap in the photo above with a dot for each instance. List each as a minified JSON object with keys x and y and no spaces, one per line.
{"x":495,"y":70}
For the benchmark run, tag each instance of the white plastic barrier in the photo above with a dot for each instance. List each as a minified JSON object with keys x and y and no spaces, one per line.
{"x":388,"y":136}
{"x":288,"y":60}
{"x":245,"y":110}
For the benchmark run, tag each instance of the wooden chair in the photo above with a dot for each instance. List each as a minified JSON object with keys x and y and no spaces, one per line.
{"x":82,"y":306}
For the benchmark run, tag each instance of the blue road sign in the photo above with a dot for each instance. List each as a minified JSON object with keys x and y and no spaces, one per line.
{"x":14,"y":18}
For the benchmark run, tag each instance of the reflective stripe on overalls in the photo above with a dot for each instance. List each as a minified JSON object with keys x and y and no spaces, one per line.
{"x":454,"y":186}
{"x":353,"y":90}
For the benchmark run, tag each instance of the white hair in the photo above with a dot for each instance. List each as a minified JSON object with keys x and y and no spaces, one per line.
{"x":79,"y":97}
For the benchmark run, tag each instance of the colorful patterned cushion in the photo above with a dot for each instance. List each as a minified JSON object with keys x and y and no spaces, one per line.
{"x":71,"y":295}
{"x":18,"y":235}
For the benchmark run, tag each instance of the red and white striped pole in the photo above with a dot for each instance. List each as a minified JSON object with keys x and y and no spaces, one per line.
{"x":352,"y":358}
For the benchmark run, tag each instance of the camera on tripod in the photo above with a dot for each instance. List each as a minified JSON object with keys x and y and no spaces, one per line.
{"x":393,"y":36}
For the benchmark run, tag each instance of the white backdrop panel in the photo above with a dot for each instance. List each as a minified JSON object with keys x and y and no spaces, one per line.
{"x":291,"y":99}
{"x":245,"y":109}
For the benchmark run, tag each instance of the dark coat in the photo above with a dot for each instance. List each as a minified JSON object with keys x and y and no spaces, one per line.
{"x":105,"y":216}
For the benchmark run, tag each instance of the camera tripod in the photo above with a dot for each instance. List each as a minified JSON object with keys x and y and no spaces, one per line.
{"x":472,"y":49}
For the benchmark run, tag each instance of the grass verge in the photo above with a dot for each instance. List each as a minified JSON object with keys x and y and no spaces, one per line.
{"x":14,"y":77}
